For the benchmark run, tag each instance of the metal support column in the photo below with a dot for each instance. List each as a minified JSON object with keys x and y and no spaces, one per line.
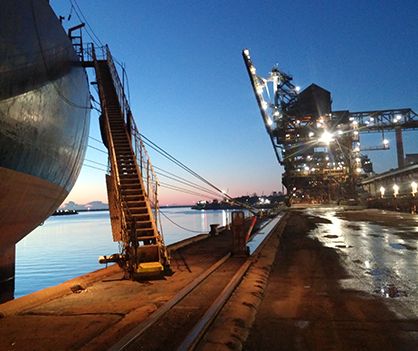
{"x":399,"y":147}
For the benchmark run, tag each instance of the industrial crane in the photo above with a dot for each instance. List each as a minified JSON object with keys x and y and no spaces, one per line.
{"x":320,"y":157}
{"x":319,"y":148}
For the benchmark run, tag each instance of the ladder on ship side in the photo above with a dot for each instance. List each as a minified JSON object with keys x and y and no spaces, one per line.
{"x":131,"y":213}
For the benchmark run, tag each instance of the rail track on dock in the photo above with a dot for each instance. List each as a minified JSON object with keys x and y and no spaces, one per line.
{"x":181,"y":323}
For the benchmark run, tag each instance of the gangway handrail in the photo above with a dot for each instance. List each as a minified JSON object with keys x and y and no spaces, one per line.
{"x":112,"y":155}
{"x":147,"y":171}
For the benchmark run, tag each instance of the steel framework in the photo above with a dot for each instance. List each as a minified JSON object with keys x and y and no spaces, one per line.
{"x":319,"y":148}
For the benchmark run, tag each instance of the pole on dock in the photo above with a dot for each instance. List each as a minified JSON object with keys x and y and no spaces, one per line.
{"x":399,"y":147}
{"x":239,"y":243}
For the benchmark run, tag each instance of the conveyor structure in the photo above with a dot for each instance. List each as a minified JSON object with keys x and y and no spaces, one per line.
{"x":319,"y":148}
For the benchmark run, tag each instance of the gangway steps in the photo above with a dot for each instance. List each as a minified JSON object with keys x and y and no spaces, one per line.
{"x":130,"y":182}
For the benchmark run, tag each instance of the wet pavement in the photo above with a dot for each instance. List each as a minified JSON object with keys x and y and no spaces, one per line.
{"x":379,"y":249}
{"x":342,"y":279}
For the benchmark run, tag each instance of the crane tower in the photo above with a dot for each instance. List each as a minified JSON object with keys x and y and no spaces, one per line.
{"x":320,"y":154}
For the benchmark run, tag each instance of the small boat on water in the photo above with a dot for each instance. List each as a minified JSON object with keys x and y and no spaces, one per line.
{"x":64,"y":212}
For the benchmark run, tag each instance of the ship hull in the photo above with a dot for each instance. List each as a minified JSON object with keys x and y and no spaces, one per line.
{"x":34,"y":199}
{"x":44,"y":117}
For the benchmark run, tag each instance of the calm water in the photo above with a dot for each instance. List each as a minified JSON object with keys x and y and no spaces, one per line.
{"x":66,"y":247}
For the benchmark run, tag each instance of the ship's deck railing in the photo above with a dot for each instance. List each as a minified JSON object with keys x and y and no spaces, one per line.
{"x":85,"y":53}
{"x":148,"y":174}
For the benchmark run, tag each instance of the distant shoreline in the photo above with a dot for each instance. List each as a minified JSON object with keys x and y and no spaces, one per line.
{"x":107,"y":209}
{"x":93,"y":209}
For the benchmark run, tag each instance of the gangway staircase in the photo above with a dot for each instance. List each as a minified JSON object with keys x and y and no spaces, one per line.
{"x":130,"y":197}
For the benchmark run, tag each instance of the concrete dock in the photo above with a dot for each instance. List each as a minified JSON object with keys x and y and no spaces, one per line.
{"x":93,"y":311}
{"x":341,"y":280}
{"x":336,"y":279}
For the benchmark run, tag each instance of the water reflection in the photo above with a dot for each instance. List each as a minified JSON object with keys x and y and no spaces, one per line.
{"x":68,"y":246}
{"x":381,"y":257}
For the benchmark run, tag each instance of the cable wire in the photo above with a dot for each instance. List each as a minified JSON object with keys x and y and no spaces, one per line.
{"x":186,"y":191}
{"x":178,"y":225}
{"x":95,"y":148}
{"x":178,"y":163}
{"x":184,"y":181}
{"x":81,"y":17}
{"x":97,"y":163}
{"x":94,"y":167}
{"x":99,"y":141}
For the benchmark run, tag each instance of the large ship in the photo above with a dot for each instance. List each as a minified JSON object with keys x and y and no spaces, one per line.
{"x":44,"y":117}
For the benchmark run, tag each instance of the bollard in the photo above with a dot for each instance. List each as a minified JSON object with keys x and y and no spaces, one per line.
{"x":227,"y":224}
{"x":392,"y":290}
{"x":214,"y":229}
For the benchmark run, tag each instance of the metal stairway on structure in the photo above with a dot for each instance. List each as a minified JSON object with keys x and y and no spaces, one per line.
{"x":132,"y":217}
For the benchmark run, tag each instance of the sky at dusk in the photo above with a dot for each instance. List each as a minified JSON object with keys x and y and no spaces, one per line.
{"x":191,"y":95}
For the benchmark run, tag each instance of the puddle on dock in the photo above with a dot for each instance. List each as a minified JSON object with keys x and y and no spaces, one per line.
{"x":383,"y":258}
{"x":397,"y":246}
{"x":353,"y":227}
{"x":403,"y":247}
{"x":376,"y":272}
{"x":338,"y":245}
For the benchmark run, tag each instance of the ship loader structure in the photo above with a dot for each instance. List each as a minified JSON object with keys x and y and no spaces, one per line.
{"x":319,"y":148}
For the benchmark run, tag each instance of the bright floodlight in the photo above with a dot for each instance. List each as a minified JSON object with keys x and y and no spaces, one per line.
{"x":382,"y":191}
{"x":326,"y":137}
{"x":395,"y":190}
{"x":414,"y":188}
{"x":297,"y":89}
{"x":385,"y":142}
